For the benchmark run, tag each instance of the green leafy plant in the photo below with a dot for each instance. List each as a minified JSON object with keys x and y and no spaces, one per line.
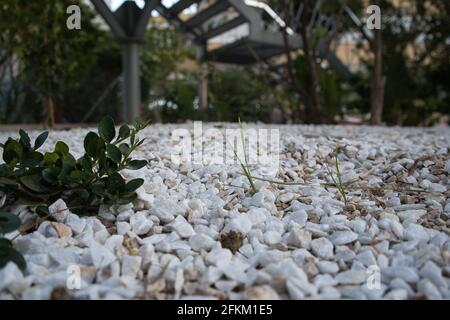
{"x":337,"y":181}
{"x":8,"y":223}
{"x":32,"y":177}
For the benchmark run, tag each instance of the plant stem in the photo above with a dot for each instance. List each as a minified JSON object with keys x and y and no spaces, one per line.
{"x":244,"y":164}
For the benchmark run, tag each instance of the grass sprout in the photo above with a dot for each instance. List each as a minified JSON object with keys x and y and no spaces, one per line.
{"x":244,"y":163}
{"x":337,"y":181}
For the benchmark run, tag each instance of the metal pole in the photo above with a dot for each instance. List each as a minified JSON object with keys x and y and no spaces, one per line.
{"x":202,"y":78}
{"x":203,"y":85}
{"x":131,"y":82}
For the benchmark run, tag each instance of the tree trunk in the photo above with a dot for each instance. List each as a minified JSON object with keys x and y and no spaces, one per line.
{"x":313,"y":113}
{"x":51,"y":112}
{"x":377,"y":80}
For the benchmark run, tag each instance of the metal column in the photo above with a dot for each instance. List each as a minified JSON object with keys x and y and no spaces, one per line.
{"x":131,"y":82}
{"x":129,"y":25}
{"x":203,"y":86}
{"x":202,"y":77}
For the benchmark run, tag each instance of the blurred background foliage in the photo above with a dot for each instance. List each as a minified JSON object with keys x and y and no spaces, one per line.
{"x":49,"y":71}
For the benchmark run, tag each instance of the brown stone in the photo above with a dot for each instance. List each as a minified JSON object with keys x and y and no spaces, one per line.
{"x":62,"y":230}
{"x":232,"y":240}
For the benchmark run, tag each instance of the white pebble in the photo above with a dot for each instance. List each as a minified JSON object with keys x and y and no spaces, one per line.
{"x":351,"y":277}
{"x":322,"y":247}
{"x":101,"y":256}
{"x":219,"y":257}
{"x":182,"y":227}
{"x":9,"y":274}
{"x":201,"y":242}
{"x":343,"y":237}
{"x":131,"y":265}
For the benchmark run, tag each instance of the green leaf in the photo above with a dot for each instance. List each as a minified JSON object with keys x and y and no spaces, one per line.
{"x":5,"y":170}
{"x":9,"y":254}
{"x":70,"y":160}
{"x":112,"y":166}
{"x":124,"y":148}
{"x":42,"y":211}
{"x":7,"y":182}
{"x":140,"y":142}
{"x":8,"y":222}
{"x":34,"y":183}
{"x":115,"y":183}
{"x":85,"y":163}
{"x":81,"y":211}
{"x":91,"y":144}
{"x":68,"y":166}
{"x":98,"y":187}
{"x":136,"y":164}
{"x":106,"y":129}
{"x":80,"y":175}
{"x":24,"y":139}
{"x":40,"y":140}
{"x":124,"y":131}
{"x":114,"y":153}
{"x":51,"y":157}
{"x":32,"y":158}
{"x":27,"y":199}
{"x":133,"y":185}
{"x":127,"y":199}
{"x":5,"y":242}
{"x":80,"y":198}
{"x":61,"y":149}
{"x":13,"y":151}
{"x":50,"y":175}
{"x":102,"y":164}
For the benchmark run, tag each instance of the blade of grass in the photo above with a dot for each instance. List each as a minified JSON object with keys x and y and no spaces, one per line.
{"x":244,"y":164}
{"x":341,"y":184}
{"x":246,"y":171}
{"x":338,"y":180}
{"x":243,"y":142}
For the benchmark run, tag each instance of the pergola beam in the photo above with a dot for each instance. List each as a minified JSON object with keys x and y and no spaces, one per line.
{"x":110,"y":19}
{"x":224,"y":27}
{"x":179,"y":24}
{"x":141,"y":27}
{"x":207,"y":13}
{"x":178,"y":7}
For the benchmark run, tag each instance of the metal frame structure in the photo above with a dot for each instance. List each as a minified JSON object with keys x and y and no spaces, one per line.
{"x":129,"y":24}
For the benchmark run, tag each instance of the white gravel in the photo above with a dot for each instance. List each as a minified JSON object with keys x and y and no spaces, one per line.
{"x":391,"y":240}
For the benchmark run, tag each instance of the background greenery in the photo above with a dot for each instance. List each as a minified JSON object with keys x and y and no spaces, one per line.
{"x":64,"y":76}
